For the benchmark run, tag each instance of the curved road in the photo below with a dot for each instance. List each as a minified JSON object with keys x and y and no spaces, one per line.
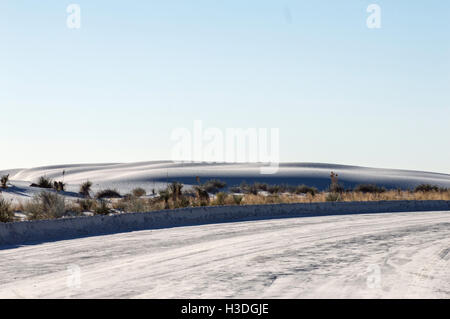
{"x":400,"y":255}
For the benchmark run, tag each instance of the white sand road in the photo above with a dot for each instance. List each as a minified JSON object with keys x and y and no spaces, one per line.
{"x":392,"y":255}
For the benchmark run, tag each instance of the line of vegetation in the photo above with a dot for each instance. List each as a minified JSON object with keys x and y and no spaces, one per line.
{"x":48,"y":183}
{"x":50,"y":205}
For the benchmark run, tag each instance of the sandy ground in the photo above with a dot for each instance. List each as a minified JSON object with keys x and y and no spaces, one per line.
{"x":398,"y":255}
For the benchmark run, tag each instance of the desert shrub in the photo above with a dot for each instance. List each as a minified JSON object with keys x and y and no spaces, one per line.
{"x":6,"y":212}
{"x":164,"y":196}
{"x":235,"y":189}
{"x":202,"y":195}
{"x":136,"y":205}
{"x":108,"y":193}
{"x":214,"y":185}
{"x":138,"y":192}
{"x":121,"y":204}
{"x":86,"y":205}
{"x":43,"y":182}
{"x":272,"y":199}
{"x":74,"y":208}
{"x":102,"y":208}
{"x":220,"y":198}
{"x":249,"y":188}
{"x":303,"y":189}
{"x":4,"y":181}
{"x":182,"y":202}
{"x":288,"y":188}
{"x":46,"y":205}
{"x":252,"y":189}
{"x":85,"y":189}
{"x":333,"y":197}
{"x":426,"y":188}
{"x":261,"y":186}
{"x":255,"y":187}
{"x":140,"y":205}
{"x":238,"y":199}
{"x":274,"y":189}
{"x":369,"y":188}
{"x":244,"y":186}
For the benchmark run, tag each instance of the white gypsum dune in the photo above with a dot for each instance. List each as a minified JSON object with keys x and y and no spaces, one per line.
{"x":154,"y":175}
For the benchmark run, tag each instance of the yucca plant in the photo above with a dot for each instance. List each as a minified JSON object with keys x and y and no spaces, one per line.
{"x":335,"y":187}
{"x":4,"y":181}
{"x":85,"y":189}
{"x":175,"y":190}
{"x":202,"y":195}
{"x":59,"y":186}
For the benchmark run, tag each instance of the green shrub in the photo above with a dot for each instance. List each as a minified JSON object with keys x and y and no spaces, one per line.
{"x":6,"y":212}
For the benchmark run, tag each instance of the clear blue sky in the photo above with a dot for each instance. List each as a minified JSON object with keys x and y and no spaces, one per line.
{"x":114,"y":90}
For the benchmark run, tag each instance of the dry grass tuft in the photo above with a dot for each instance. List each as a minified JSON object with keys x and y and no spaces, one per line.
{"x":6,"y":211}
